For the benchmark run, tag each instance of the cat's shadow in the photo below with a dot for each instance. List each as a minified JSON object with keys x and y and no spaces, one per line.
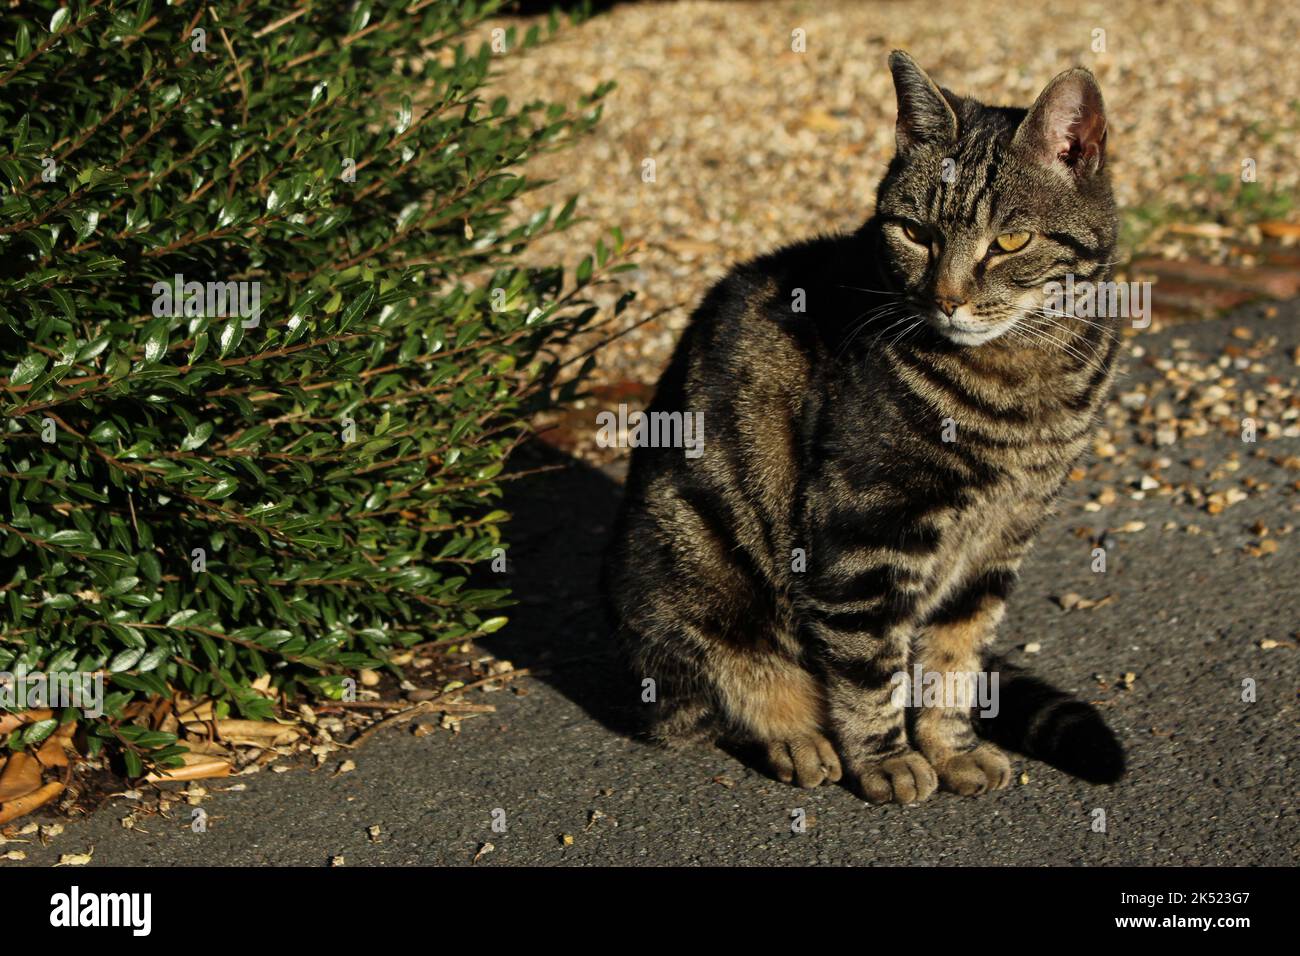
{"x":561,"y":521}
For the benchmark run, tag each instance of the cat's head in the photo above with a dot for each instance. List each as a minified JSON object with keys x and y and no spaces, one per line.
{"x":983,"y":206}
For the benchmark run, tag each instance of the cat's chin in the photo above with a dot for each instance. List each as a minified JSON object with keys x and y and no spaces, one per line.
{"x":961,"y":334}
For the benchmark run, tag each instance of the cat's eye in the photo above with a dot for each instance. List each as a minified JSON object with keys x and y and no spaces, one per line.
{"x":916,"y":232}
{"x":1012,"y":241}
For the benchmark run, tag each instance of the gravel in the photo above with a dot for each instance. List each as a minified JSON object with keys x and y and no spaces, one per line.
{"x":755,"y":145}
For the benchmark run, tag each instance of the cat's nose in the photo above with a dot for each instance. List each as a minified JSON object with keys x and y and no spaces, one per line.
{"x":948,"y":306}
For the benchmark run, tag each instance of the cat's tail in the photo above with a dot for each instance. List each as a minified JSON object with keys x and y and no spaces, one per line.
{"x":1038,"y":720}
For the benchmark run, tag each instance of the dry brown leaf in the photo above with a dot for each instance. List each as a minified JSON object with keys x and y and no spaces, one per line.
{"x":821,"y":121}
{"x":254,"y":733}
{"x":1205,"y":230}
{"x":192,"y":710}
{"x":52,"y":753}
{"x":197,"y":767}
{"x":75,"y":859}
{"x":13,"y":809}
{"x":22,"y":775}
{"x":209,"y":748}
{"x":1278,"y":229}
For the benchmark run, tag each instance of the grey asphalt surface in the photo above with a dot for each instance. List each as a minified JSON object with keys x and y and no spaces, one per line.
{"x":1211,"y":779}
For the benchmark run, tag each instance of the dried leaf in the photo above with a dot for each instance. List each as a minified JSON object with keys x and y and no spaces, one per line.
{"x":24,"y":805}
{"x":75,"y":859}
{"x":22,"y":775}
{"x":197,"y":767}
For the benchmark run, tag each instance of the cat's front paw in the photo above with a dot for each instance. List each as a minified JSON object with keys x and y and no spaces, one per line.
{"x":975,"y":771}
{"x":903,"y":778}
{"x":808,"y":760}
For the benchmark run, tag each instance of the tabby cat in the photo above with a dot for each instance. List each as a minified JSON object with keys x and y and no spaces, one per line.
{"x":889,"y":416}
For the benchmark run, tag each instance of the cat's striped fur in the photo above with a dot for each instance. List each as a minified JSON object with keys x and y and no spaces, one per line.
{"x":909,"y":466}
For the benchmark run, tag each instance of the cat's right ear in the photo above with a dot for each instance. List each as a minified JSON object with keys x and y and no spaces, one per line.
{"x":1065,"y":129}
{"x":924,"y":115}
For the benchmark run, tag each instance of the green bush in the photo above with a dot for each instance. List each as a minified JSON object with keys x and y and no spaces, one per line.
{"x":197,"y":494}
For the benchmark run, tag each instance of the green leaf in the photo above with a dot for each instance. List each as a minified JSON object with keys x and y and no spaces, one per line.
{"x":125,"y":660}
{"x":155,"y":342}
{"x":105,"y":432}
{"x":38,"y":731}
{"x":222,"y":489}
{"x":232,"y":333}
{"x":197,"y":437}
{"x":71,"y":539}
{"x":356,"y":309}
{"x":28,"y":369}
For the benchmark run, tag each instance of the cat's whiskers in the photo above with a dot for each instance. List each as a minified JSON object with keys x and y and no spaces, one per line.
{"x":883,"y":312}
{"x":889,"y":292}
{"x":898,"y":339}
{"x":1053,"y":313}
{"x":1039,"y":334}
{"x":1043,"y":334}
{"x":897,"y":321}
{"x":1095,"y":347}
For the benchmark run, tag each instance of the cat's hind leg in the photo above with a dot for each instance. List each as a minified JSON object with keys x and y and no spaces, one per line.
{"x":772,"y":700}
{"x":748,"y":694}
{"x":683,"y":720}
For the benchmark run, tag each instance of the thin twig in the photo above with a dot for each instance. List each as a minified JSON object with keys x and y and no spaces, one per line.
{"x":428,"y":705}
{"x":239,"y":70}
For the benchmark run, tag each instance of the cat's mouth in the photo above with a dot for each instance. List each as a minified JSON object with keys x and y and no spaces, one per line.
{"x":963,"y":328}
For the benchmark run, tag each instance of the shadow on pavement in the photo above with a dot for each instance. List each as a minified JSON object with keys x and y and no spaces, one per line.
{"x":560,"y":525}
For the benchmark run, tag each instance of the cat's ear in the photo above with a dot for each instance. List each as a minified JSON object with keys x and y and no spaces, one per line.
{"x":924,"y":115}
{"x":1066,"y":127}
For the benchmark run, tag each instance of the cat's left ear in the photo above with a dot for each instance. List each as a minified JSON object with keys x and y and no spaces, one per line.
{"x":924,"y":115}
{"x":1066,"y":127}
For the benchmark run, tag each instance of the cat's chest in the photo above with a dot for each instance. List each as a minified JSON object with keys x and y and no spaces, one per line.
{"x":991,"y":527}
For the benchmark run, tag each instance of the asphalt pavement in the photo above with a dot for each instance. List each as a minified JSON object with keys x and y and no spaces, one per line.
{"x":1191,"y":617}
